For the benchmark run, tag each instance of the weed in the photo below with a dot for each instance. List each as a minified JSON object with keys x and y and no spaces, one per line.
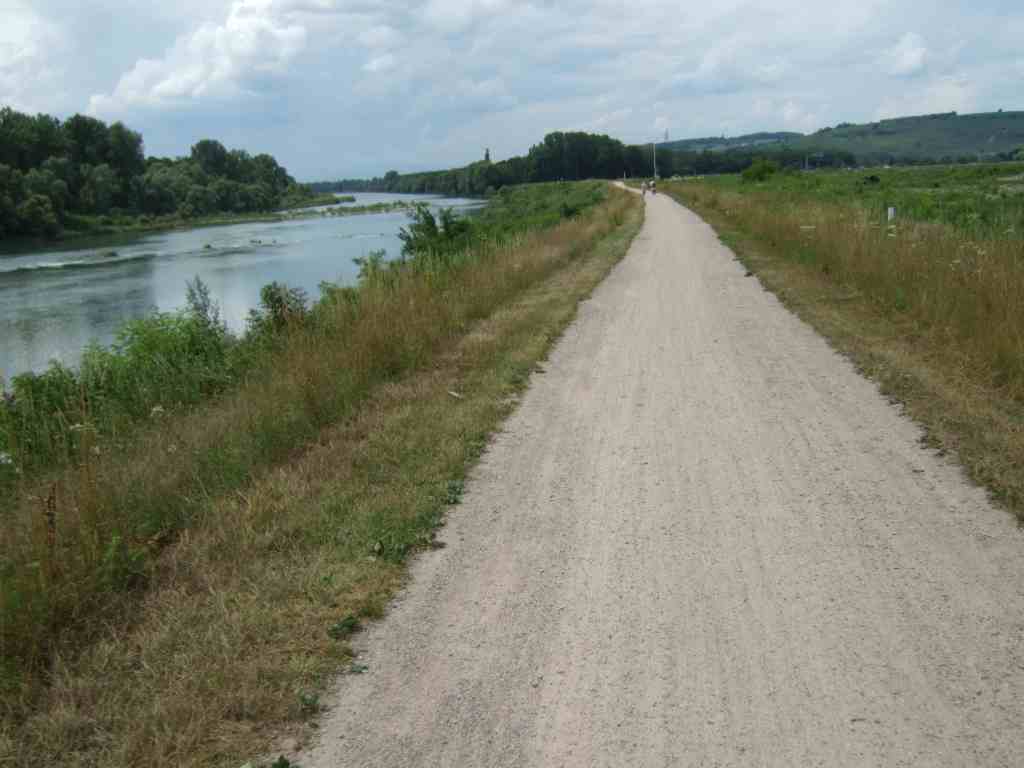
{"x":309,"y":702}
{"x":344,"y":628}
{"x":453,"y":492}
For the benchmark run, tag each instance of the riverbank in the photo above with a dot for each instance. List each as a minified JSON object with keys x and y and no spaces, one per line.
{"x":349,"y":418}
{"x":85,"y":227}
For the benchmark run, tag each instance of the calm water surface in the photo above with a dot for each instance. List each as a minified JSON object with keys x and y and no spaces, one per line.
{"x":55,"y":301}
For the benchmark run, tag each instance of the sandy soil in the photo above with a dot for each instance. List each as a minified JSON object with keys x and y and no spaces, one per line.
{"x":702,"y":540}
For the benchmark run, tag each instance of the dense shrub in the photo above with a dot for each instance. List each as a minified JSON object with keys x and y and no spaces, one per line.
{"x":760,"y":170}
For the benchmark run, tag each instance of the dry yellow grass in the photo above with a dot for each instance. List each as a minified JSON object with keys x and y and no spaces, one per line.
{"x":245,"y":613}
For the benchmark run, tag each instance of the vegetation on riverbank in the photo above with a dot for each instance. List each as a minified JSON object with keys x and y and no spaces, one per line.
{"x":317,"y":206}
{"x":161,"y":438}
{"x":83,"y":175}
{"x":928,"y":304}
{"x":181,"y":358}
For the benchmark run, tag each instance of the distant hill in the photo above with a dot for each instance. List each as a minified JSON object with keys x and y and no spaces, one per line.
{"x":721,"y":143}
{"x":946,"y":136}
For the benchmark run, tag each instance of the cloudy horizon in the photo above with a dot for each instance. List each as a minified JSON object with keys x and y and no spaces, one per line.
{"x":350,"y":88}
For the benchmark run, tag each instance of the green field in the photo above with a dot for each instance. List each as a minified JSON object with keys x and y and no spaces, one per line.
{"x":984,"y":200}
{"x":928,"y":303}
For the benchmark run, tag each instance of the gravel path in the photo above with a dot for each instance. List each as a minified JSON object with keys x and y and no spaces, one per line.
{"x":702,"y":540}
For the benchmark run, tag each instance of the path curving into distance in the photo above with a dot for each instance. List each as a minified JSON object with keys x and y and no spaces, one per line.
{"x":702,"y":540}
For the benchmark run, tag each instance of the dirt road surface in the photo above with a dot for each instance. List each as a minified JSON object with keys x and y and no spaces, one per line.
{"x":702,"y":540}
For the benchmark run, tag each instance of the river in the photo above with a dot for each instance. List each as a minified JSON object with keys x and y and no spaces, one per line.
{"x":54,"y":301}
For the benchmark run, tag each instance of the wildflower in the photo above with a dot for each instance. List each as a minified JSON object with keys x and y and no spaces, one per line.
{"x":157,"y":411}
{"x":6,"y":459}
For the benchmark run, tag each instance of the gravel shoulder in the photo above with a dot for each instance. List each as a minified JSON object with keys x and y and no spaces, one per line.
{"x":702,"y":539}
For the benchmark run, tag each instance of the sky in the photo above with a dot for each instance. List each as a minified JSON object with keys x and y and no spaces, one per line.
{"x":353,"y":88}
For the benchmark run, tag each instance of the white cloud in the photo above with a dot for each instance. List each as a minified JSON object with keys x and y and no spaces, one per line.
{"x":908,"y":57}
{"x":609,"y":120}
{"x":380,"y":64}
{"x":796,"y":118}
{"x":28,"y":77}
{"x":380,"y":36}
{"x":951,"y":93}
{"x":257,"y":39}
{"x":370,"y":74}
{"x":456,"y":15}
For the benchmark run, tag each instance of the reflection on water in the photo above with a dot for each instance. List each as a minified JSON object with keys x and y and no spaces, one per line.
{"x":55,"y":301}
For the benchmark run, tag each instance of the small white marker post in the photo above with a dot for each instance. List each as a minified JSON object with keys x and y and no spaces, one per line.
{"x":891,"y":214}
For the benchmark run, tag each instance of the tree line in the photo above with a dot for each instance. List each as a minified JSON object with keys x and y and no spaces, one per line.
{"x":66,"y":174}
{"x":560,"y":156}
{"x":570,"y":156}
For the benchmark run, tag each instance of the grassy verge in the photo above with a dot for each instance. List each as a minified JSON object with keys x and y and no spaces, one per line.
{"x":979,"y":200}
{"x":929,"y":311}
{"x":296,"y":501}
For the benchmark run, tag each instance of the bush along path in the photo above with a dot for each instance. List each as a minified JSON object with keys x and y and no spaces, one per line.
{"x":175,"y":600}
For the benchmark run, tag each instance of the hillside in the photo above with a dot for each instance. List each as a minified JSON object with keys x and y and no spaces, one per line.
{"x":940,"y":137}
{"x":719,"y":143}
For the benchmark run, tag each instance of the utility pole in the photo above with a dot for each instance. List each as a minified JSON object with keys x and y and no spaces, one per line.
{"x":654,"y":153}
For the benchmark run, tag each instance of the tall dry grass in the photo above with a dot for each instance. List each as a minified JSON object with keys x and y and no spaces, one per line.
{"x":77,"y":552}
{"x":964,"y":293}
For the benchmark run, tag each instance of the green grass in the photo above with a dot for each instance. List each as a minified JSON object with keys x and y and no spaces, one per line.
{"x":984,"y":200}
{"x":930,"y":305}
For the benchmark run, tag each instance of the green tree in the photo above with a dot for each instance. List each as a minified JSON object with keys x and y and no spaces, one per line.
{"x":226,"y":195}
{"x":11,"y":194}
{"x":211,"y":156}
{"x":36,"y":216}
{"x":98,"y":190}
{"x":46,"y":183}
{"x":158,"y":195}
{"x":88,"y":140}
{"x":760,"y":170}
{"x":127,"y":158}
{"x":267,"y":171}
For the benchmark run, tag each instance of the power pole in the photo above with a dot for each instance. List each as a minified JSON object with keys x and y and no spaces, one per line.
{"x":654,"y":153}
